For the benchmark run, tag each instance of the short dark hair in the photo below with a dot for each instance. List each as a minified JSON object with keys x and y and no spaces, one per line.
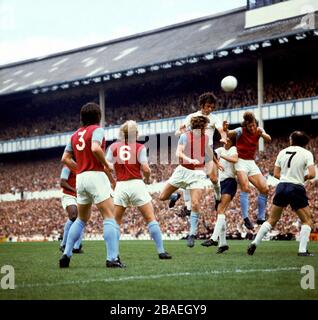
{"x":207,"y":97}
{"x":248,"y":117}
{"x":90,"y":114}
{"x":299,"y":138}
{"x":199,"y":122}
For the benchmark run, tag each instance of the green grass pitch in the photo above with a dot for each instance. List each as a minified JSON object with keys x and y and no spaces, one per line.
{"x":274,"y":272}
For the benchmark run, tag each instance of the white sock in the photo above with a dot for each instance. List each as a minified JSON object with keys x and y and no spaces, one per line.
{"x":217,"y":190}
{"x":188,"y":204}
{"x":304,"y":237}
{"x":266,"y":227}
{"x":222,"y":236}
{"x":218,"y":227}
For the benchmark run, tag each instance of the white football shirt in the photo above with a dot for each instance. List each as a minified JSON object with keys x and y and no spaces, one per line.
{"x":212,"y":125}
{"x":294,"y":162}
{"x":229,"y":171}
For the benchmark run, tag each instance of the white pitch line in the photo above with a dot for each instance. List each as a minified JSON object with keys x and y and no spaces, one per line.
{"x":156,"y":276}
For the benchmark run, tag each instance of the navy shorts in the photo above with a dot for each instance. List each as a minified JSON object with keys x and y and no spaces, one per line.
{"x":229,"y":186}
{"x":290,"y":194}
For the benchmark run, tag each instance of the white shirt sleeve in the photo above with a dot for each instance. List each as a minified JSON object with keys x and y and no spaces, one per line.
{"x":310,"y":159}
{"x":219,"y":151}
{"x":217,"y":122}
{"x":278,"y":160}
{"x":232,"y":151}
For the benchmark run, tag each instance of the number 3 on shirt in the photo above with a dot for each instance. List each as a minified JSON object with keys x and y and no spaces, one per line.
{"x":80,"y":147}
{"x":124,"y":153}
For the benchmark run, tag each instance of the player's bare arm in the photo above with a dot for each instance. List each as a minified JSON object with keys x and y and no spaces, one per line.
{"x":65,"y":185}
{"x":232,"y":159}
{"x":267,"y":138}
{"x":182,"y":129}
{"x":311,"y":173}
{"x":229,"y":133}
{"x":100,"y":156}
{"x":180,"y":154}
{"x":211,"y":155}
{"x":223,"y":135}
{"x":277,"y":172}
{"x":146,"y":171}
{"x":67,"y":159}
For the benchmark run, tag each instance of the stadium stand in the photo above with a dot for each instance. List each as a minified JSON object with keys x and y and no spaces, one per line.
{"x":48,"y":116}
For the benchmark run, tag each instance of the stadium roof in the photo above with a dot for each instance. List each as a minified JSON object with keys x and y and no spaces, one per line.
{"x":189,"y":42}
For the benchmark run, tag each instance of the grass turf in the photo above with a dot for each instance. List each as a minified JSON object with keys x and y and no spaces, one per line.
{"x":193,"y":273}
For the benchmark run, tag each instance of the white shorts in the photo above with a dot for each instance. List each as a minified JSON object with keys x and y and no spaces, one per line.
{"x":188,"y":179}
{"x":131,"y":193}
{"x":248,"y":166}
{"x":68,"y":200}
{"x":92,"y":187}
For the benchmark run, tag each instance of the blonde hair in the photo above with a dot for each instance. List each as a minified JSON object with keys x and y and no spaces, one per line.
{"x":128,"y":131}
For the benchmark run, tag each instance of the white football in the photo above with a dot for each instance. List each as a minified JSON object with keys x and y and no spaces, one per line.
{"x":229,"y":83}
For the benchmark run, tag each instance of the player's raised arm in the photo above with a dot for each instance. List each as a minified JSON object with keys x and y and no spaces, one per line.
{"x":182,"y":129}
{"x":264,"y":135}
{"x":184,"y":126}
{"x":229,"y":133}
{"x":222,"y":132}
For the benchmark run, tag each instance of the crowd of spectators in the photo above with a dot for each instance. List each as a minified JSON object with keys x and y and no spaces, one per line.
{"x":40,"y":175}
{"x":49,"y":115}
{"x":46,"y":217}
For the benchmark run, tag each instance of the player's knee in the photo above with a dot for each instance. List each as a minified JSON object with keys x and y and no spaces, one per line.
{"x":272,"y":221}
{"x":162,"y":197}
{"x":214,"y":179}
{"x":245,"y":188}
{"x":195,"y":205}
{"x":308,"y":221}
{"x":264,"y":190}
{"x":72,"y":214}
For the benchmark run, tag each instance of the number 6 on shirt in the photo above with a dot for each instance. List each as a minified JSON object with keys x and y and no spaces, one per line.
{"x":124,"y":153}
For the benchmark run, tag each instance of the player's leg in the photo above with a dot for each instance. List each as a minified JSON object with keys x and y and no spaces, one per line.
{"x":78,"y":244}
{"x":260,"y":183}
{"x":306,"y":220}
{"x":167,"y":191}
{"x":147,"y":212}
{"x":119,"y":212}
{"x":244,"y":197}
{"x":220,"y":223}
{"x":77,"y":227}
{"x":196,"y":195}
{"x":106,"y":208}
{"x":72,"y":215}
{"x":187,"y":202}
{"x":214,"y":177}
{"x":274,"y":216}
{"x":174,"y":183}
